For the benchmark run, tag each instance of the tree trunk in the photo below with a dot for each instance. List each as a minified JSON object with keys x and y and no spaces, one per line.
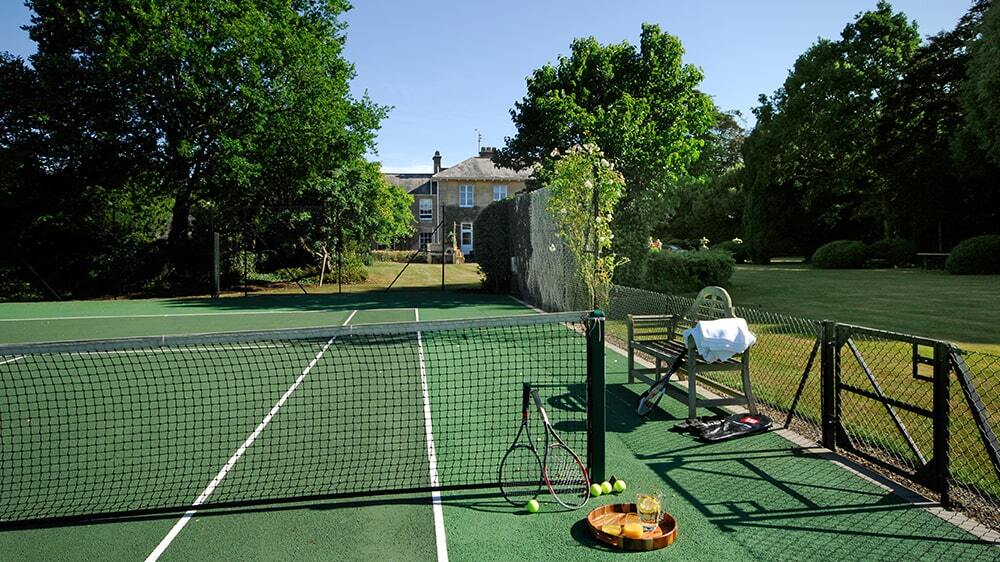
{"x":180,"y":221}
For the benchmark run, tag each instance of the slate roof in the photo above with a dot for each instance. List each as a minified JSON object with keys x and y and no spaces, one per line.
{"x":415,"y":184}
{"x":481,"y":168}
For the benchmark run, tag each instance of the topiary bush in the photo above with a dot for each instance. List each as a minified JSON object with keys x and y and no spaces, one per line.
{"x":738,"y":251}
{"x":493,"y":245}
{"x":682,"y":272}
{"x":893,"y":252}
{"x":841,"y":254}
{"x":976,"y":255}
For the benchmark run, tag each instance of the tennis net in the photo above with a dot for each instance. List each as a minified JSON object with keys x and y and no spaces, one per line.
{"x":161,"y":424}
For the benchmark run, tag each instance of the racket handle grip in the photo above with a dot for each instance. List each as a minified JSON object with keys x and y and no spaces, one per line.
{"x":538,"y":404}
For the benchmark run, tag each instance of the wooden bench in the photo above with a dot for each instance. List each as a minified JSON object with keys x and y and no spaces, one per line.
{"x":660,"y":337}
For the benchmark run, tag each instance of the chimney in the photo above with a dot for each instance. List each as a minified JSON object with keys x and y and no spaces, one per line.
{"x":437,"y":161}
{"x":487,"y":152}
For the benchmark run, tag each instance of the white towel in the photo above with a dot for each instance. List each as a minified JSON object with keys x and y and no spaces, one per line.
{"x":718,"y":340}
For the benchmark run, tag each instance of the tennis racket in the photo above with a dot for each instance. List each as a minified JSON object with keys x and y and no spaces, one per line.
{"x":563,"y":472}
{"x":520,"y":475}
{"x":649,"y":399}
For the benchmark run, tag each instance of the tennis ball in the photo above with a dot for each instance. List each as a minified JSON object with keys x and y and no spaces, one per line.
{"x":595,"y":489}
{"x":619,"y":486}
{"x":605,"y":487}
{"x":532,"y":506}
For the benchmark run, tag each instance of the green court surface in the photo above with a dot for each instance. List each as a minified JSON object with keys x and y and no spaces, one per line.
{"x":760,"y":498}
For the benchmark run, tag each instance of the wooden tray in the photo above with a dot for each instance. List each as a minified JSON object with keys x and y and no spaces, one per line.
{"x":620,"y":513}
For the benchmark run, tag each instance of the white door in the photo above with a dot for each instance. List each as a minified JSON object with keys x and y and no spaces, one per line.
{"x":465,"y":242}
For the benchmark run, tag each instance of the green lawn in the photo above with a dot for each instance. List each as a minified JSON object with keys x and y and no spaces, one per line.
{"x":962,"y":309}
{"x":381,"y":274}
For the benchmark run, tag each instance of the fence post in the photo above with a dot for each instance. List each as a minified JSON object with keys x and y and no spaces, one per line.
{"x":942,"y":420}
{"x":828,"y":389}
{"x":595,"y":396}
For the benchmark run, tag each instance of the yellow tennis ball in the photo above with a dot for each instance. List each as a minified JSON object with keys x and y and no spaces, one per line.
{"x":532,"y":506}
{"x":595,"y":489}
{"x":619,"y":486}
{"x":605,"y":487}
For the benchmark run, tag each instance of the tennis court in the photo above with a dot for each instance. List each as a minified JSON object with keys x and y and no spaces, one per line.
{"x":291,"y":441}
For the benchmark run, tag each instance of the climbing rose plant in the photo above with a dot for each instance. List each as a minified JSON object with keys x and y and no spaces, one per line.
{"x":584,"y":191}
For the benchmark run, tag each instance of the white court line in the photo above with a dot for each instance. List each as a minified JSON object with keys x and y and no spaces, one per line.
{"x":19,"y":357}
{"x":182,"y":315}
{"x":442,"y":545}
{"x":176,"y":529}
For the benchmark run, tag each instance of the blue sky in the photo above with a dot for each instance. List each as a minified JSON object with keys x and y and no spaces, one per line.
{"x":449,"y":68}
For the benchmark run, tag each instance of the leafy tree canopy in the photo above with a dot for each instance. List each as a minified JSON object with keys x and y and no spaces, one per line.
{"x":981,"y":93}
{"x":216,"y":108}
{"x":813,"y":146}
{"x":640,"y":104}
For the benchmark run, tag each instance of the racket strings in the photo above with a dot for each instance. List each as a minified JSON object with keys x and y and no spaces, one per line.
{"x":566,"y":476}
{"x":520,"y":474}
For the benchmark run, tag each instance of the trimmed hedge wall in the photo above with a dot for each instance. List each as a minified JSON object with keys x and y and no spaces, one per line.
{"x":493,"y":250}
{"x":738,"y":251}
{"x":894,"y":252}
{"x":683,"y":272}
{"x":977,"y":255}
{"x":841,"y":254}
{"x":401,"y":256}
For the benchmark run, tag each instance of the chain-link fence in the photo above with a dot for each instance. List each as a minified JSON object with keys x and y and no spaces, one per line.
{"x":883,"y":411}
{"x":544,"y":271}
{"x":918,"y":410}
{"x":975,"y":418}
{"x":784,"y":364}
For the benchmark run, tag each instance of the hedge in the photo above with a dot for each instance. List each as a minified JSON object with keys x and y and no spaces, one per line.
{"x":841,"y":254}
{"x":894,"y":252}
{"x":977,"y":255}
{"x":683,"y":272}
{"x":493,"y":249}
{"x":401,"y":256}
{"x":738,"y":251}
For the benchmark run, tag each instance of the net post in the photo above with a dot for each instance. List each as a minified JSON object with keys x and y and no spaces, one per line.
{"x":595,"y":396}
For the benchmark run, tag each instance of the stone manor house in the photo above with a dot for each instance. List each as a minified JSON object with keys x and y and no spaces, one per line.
{"x":456,"y":195}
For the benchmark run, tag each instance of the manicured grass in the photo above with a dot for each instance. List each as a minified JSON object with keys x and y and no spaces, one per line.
{"x":417,"y":275}
{"x":962,"y":309}
{"x":461,"y":276}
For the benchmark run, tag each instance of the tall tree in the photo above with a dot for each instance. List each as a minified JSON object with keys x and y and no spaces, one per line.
{"x":234,"y":103}
{"x":710,"y":200}
{"x":194,"y":108}
{"x":926,"y":181}
{"x":824,"y":118}
{"x":981,"y":93}
{"x":640,"y":105}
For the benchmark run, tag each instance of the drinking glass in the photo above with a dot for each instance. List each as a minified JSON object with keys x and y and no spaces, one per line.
{"x":648,"y":505}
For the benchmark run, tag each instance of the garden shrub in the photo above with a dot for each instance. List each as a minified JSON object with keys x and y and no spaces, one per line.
{"x":841,"y":254}
{"x":976,"y":255}
{"x":401,"y":256}
{"x":893,"y":252}
{"x":493,"y":245}
{"x":683,"y":272}
{"x":738,"y":251}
